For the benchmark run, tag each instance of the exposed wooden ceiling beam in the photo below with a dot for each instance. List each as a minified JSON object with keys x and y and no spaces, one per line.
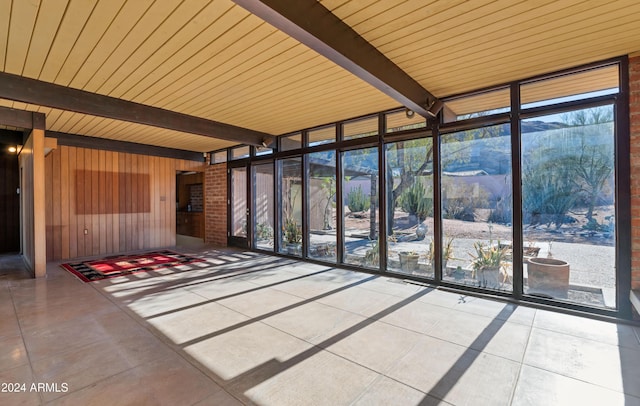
{"x":26,"y":90}
{"x":16,"y":118}
{"x":314,"y":25}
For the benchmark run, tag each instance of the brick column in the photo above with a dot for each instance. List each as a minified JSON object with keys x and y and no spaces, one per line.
{"x":634,"y":112}
{"x":216,"y":204}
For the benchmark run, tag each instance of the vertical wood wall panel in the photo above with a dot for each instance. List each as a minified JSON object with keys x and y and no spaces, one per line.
{"x":125,"y":201}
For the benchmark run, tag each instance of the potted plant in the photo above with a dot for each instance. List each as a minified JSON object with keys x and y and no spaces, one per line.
{"x":487,"y":263}
{"x":409,"y":260}
{"x":372,"y":256}
{"x":447,"y":253}
{"x":548,"y":275}
{"x":293,"y":236}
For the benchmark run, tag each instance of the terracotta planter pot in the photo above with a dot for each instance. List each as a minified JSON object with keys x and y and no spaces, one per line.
{"x":548,"y":274}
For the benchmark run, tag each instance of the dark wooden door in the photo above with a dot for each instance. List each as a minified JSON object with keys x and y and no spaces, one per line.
{"x":9,"y":202}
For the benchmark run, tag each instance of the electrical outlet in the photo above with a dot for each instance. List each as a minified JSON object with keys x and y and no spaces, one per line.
{"x":86,"y":232}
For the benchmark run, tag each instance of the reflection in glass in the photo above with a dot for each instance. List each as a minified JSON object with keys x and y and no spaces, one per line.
{"x":410,"y":247}
{"x":322,"y":206}
{"x":364,"y":127}
{"x":477,"y":207}
{"x":239,"y":202}
{"x":291,"y":206}
{"x":360,"y":200}
{"x":263,"y":209}
{"x":568,"y":206}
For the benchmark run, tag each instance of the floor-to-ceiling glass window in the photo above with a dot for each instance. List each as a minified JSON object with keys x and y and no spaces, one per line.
{"x":360,"y":201}
{"x":477,"y":207}
{"x":263,"y":230}
{"x":321,"y":184}
{"x":409,"y":180}
{"x":290,"y":232}
{"x":239,"y":202}
{"x":568,"y":206}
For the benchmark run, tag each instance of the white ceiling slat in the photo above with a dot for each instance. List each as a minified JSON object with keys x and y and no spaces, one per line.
{"x":122,"y":24}
{"x":23,"y":18}
{"x":96,"y":25}
{"x":75,"y":17}
{"x":47,"y":23}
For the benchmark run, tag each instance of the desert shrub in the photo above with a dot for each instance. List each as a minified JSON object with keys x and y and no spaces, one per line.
{"x":466,"y":198}
{"x":414,"y":201}
{"x":357,"y":200}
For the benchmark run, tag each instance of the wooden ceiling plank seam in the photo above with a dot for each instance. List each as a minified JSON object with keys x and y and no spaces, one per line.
{"x":351,"y":8}
{"x":439,"y":11}
{"x":165,"y":55}
{"x":521,"y":38}
{"x":88,"y":126}
{"x":560,"y":56}
{"x":192,"y":53}
{"x":293,"y":86}
{"x":484,"y":41}
{"x":564,"y":61}
{"x":226,"y":61}
{"x":202,"y":85}
{"x":97,"y":23}
{"x":312,"y":24}
{"x":23,"y":18}
{"x":275,"y":72}
{"x":447,"y":30}
{"x":5,"y":23}
{"x":396,"y":16}
{"x":119,"y":28}
{"x":80,"y":122}
{"x":537,"y":45}
{"x":47,"y":24}
{"x":311,"y":115}
{"x":368,"y":11}
{"x":332,"y":5}
{"x":174,"y":25}
{"x":57,"y":121}
{"x":66,"y":38}
{"x":143,"y":28}
{"x":201,"y":64}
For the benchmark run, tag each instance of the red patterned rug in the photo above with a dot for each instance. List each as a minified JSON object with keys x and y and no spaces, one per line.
{"x":111,"y":267}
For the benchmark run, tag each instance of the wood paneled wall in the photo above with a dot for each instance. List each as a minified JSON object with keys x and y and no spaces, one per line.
{"x":84,"y":216}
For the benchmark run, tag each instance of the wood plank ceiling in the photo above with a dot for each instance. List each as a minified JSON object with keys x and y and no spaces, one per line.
{"x":213,"y":59}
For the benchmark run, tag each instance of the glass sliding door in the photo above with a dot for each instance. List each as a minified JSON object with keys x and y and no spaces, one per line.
{"x":360,"y":200}
{"x":409,"y":177}
{"x":264,"y":226}
{"x":239,"y":212}
{"x":477,"y":207}
{"x":321,"y":192}
{"x":568,"y":206}
{"x":290,"y":199}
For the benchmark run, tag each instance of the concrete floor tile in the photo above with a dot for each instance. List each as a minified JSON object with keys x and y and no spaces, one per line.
{"x":263,"y":301}
{"x":603,"y":331}
{"x":169,"y":381}
{"x":392,"y":286}
{"x":418,"y":316}
{"x":19,"y":389}
{"x":361,"y":301}
{"x":377,"y":346}
{"x":457,"y":374}
{"x":610,"y":366}
{"x":384,"y":391}
{"x":539,"y":387}
{"x":495,"y":309}
{"x":196,"y":323}
{"x":88,"y":365}
{"x":237,"y":352}
{"x":490,"y":335}
{"x":12,"y":352}
{"x":163,"y":302}
{"x":318,"y":379}
{"x":220,"y":398}
{"x":9,"y":326}
{"x":313,"y":322}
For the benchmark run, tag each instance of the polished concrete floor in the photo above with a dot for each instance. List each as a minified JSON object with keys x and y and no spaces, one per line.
{"x":244,"y":328}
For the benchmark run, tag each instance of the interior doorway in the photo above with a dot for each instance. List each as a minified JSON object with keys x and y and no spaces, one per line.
{"x":189,"y":208}
{"x":9,"y":199}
